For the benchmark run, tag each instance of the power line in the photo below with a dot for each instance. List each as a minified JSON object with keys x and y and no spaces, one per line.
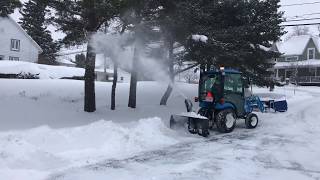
{"x":300,"y":4}
{"x":306,"y":19}
{"x":304,"y":24}
{"x":302,"y":15}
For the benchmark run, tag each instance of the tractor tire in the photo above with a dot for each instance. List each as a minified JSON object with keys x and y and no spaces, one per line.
{"x":226,"y":121}
{"x":251,"y":121}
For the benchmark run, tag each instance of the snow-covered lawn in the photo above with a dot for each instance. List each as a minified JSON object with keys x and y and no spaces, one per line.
{"x":44,"y":71}
{"x":44,"y":134}
{"x":50,"y":71}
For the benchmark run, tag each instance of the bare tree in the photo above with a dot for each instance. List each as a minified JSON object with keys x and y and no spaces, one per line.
{"x":190,"y":76}
{"x":299,"y":31}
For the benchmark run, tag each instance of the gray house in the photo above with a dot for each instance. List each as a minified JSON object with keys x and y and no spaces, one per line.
{"x":300,"y":60}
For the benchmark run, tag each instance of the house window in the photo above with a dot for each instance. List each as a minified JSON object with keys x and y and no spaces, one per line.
{"x":1,"y":57}
{"x":15,"y":45}
{"x":292,"y":58}
{"x":311,"y":53}
{"x":13,"y":58}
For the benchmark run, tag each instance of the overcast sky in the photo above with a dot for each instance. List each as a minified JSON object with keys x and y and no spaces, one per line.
{"x":301,"y":10}
{"x":290,"y":13}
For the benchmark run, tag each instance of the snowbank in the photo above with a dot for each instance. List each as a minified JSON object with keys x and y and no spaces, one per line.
{"x":44,"y":149}
{"x":52,"y":72}
{"x":44,"y":71}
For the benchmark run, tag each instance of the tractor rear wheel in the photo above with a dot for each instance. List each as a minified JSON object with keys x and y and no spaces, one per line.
{"x":251,"y":121}
{"x":226,"y":121}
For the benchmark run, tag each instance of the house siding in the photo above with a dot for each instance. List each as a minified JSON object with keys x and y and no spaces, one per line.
{"x":8,"y":30}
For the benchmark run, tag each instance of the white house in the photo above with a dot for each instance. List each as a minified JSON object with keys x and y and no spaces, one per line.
{"x":15,"y":43}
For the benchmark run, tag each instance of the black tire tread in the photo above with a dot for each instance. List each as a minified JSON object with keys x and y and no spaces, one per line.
{"x":220,"y":121}
{"x":248,"y":122}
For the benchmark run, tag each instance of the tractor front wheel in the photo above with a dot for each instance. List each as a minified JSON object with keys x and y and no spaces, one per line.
{"x":251,"y":121}
{"x":226,"y":121}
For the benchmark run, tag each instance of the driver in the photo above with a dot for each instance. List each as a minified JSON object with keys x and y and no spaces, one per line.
{"x":216,"y":88}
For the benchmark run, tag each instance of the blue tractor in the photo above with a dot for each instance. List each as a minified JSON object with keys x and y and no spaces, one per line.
{"x":222,"y":101}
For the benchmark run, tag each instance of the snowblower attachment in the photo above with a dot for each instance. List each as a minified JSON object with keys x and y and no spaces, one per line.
{"x":190,"y":120}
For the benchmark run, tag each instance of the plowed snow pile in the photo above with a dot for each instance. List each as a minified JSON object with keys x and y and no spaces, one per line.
{"x":44,"y":149}
{"x":44,"y":71}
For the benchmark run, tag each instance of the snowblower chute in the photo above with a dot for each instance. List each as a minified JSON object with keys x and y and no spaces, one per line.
{"x":222,"y":102}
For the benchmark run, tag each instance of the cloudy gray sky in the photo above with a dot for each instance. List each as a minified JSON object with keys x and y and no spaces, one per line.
{"x":290,"y":12}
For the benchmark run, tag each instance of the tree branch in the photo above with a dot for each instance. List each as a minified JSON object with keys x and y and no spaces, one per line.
{"x":185,"y":69}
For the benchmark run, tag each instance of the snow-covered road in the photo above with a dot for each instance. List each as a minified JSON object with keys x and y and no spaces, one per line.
{"x":46,"y":136}
{"x":284,"y":146}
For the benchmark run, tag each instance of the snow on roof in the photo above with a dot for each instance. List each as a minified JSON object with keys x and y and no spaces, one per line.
{"x":295,"y":45}
{"x":200,"y":38}
{"x":316,"y":40}
{"x":110,"y":71}
{"x":64,"y":61}
{"x":80,"y":49}
{"x":25,"y":33}
{"x":310,"y":62}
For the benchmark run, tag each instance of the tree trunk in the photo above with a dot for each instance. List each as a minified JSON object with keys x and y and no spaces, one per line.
{"x":89,"y":90}
{"x":114,"y":86}
{"x":134,"y":79}
{"x":168,"y":92}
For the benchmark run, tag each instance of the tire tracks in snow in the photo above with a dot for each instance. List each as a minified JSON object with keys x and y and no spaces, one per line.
{"x":180,"y":153}
{"x":299,"y":115}
{"x":187,"y":152}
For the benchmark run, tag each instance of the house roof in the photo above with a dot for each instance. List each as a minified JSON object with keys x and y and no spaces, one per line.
{"x":25,"y":33}
{"x":316,"y":40}
{"x":296,"y":44}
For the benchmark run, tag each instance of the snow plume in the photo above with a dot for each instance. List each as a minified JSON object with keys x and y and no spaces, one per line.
{"x":120,"y":48}
{"x":111,"y":45}
{"x":154,"y":69}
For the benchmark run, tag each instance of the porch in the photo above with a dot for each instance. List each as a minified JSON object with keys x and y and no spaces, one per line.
{"x":306,"y":80}
{"x":297,"y":73}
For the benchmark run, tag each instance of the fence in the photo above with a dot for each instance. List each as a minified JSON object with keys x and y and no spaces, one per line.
{"x":306,"y":79}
